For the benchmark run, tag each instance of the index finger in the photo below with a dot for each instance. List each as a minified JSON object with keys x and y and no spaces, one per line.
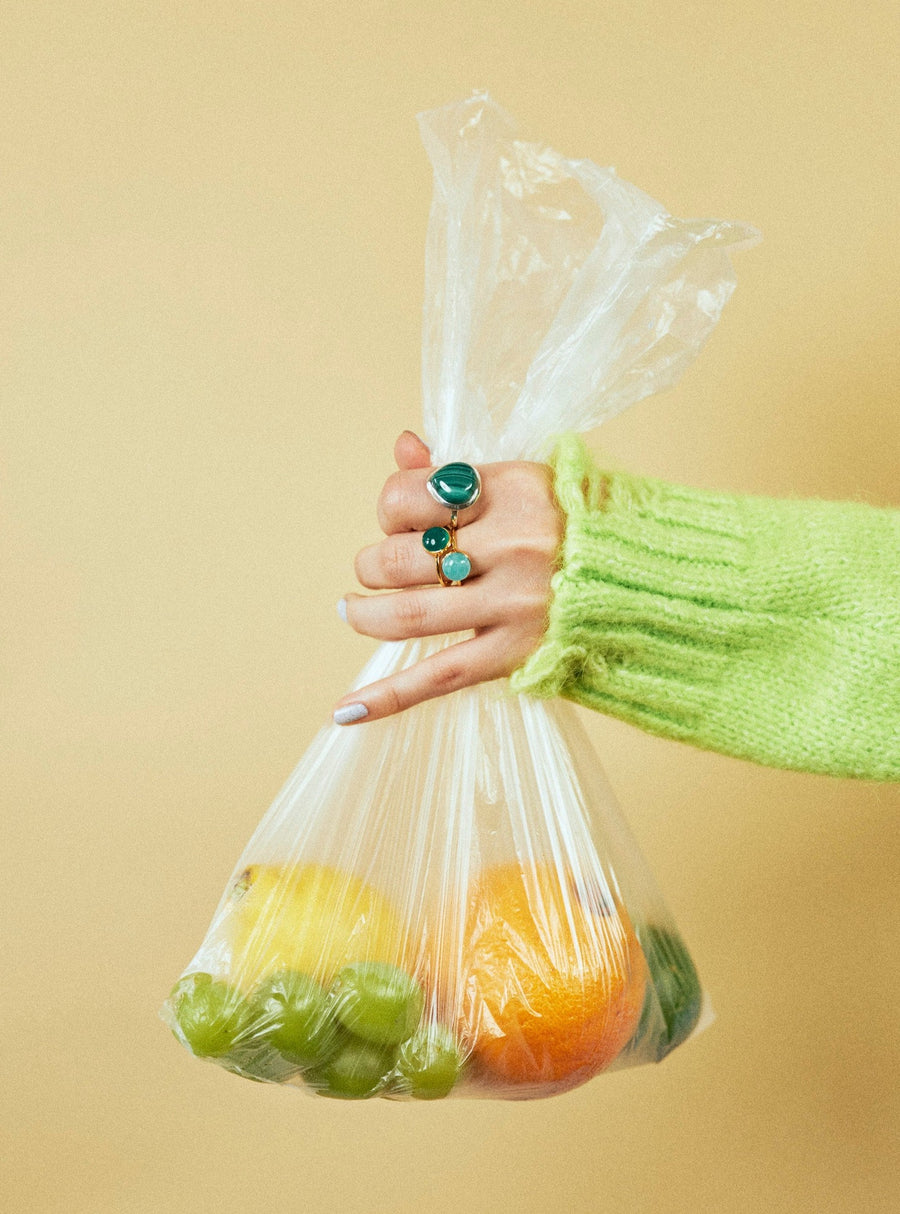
{"x":462,"y":664}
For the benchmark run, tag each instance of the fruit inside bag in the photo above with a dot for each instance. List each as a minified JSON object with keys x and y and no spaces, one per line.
{"x":448,"y":902}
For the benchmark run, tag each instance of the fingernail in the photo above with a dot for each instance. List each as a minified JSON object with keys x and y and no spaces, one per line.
{"x":342,"y":609}
{"x":350,"y":713}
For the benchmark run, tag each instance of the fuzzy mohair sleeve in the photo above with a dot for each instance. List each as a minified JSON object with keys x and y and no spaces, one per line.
{"x":764,"y":629}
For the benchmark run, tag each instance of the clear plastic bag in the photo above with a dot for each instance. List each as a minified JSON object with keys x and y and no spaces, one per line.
{"x":448,"y":901}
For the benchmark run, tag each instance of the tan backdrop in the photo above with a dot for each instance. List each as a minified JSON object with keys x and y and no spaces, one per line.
{"x":212,"y":246}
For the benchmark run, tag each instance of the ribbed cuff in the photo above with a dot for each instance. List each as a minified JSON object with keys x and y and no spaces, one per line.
{"x":764,"y":629}
{"x":647,"y":570}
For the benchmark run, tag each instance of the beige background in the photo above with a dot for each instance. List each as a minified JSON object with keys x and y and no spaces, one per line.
{"x":212,"y":242}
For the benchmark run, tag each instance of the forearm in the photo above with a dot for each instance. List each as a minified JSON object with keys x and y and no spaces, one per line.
{"x":769,"y":630}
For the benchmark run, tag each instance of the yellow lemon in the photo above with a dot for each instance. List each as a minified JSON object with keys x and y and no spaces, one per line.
{"x":309,"y":918}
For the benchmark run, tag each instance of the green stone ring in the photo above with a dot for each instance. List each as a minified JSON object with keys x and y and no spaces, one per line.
{"x":453,"y":566}
{"x":455,"y":485}
{"x":437,"y":540}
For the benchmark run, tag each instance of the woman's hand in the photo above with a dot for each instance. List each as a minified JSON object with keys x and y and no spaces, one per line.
{"x":512,"y":535}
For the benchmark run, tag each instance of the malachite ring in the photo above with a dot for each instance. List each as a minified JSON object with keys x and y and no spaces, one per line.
{"x":455,"y":485}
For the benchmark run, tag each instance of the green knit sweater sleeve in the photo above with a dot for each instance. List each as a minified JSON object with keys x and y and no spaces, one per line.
{"x":760,"y":628}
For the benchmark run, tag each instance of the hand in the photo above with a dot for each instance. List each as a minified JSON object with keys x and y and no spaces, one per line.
{"x":512,"y":534}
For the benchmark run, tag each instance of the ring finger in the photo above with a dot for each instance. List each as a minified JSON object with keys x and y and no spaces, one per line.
{"x":401,"y":560}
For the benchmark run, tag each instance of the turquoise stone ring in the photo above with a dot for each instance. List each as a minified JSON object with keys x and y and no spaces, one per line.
{"x":455,"y":567}
{"x":455,"y":485}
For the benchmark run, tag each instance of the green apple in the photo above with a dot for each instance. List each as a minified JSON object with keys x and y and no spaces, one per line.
{"x":673,"y":984}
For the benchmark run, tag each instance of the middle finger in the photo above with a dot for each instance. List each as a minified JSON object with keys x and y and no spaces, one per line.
{"x":406,"y":505}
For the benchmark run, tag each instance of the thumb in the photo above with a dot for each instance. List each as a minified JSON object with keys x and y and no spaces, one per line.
{"x":410,"y":452}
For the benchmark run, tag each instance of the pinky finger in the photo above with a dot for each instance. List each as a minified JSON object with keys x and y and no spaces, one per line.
{"x":461,"y":665}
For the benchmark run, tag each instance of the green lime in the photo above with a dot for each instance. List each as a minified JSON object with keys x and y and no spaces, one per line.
{"x":290,"y":1011}
{"x":430,"y":1063}
{"x":359,"y":1069}
{"x":674,"y":984}
{"x":209,"y":1014}
{"x":378,"y":1002}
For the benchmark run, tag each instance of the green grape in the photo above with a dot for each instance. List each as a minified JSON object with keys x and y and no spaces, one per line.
{"x":291,"y":1012}
{"x":359,"y":1069}
{"x":210,"y":1014}
{"x":675,"y":985}
{"x":430,"y":1063}
{"x":378,"y":1002}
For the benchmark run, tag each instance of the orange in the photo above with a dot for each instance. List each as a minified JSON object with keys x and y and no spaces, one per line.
{"x":553,"y":978}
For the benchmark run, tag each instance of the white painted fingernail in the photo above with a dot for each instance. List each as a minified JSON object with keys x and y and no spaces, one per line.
{"x":342,"y":609}
{"x":350,"y":713}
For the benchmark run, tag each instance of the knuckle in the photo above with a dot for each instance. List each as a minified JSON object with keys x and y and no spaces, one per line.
{"x":521,"y":483}
{"x":396,"y":563}
{"x":527,"y":476}
{"x":547,"y":539}
{"x":390,"y":701}
{"x":411,"y":615}
{"x":535,"y":549}
{"x":518,"y":607}
{"x":527,"y":605}
{"x":523,"y":609}
{"x":394,"y":500}
{"x":518,"y":548}
{"x":450,"y":675}
{"x":514,"y":654}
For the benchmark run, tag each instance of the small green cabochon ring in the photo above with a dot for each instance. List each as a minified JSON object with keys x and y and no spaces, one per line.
{"x":437,"y":540}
